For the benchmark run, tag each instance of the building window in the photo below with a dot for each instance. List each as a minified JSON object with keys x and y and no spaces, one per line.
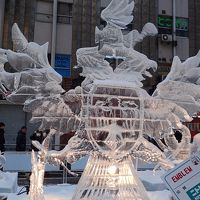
{"x":44,"y":12}
{"x":62,"y":64}
{"x":64,"y":13}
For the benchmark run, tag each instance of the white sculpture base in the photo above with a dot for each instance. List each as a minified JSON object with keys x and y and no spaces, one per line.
{"x":109,"y":180}
{"x":152,"y":182}
{"x":8,"y":182}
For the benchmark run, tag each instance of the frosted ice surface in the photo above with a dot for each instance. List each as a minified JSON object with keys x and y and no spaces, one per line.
{"x":182,"y":84}
{"x":110,"y":112}
{"x":2,"y":160}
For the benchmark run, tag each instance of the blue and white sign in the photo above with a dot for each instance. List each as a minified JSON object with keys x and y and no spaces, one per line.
{"x":62,"y":64}
{"x":184,"y":180}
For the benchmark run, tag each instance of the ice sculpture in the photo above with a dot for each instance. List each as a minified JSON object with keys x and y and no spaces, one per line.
{"x":38,"y":166}
{"x":110,"y":112}
{"x":2,"y":162}
{"x":195,"y":146}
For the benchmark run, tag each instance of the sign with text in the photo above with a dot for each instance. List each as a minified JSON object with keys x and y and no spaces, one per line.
{"x":62,"y":64}
{"x":184,"y":180}
{"x":165,"y":24}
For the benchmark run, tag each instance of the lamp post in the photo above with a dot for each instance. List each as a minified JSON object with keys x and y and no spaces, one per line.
{"x":54,"y":26}
{"x":174,"y":27}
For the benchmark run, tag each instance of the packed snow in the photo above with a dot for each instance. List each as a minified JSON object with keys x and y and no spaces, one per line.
{"x":65,"y":192}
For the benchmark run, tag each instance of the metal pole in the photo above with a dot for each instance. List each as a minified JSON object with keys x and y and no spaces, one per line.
{"x":174,"y":27}
{"x":2,"y":7}
{"x":54,"y":31}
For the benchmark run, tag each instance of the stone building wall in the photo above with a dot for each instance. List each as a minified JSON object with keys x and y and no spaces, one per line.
{"x":194,"y":26}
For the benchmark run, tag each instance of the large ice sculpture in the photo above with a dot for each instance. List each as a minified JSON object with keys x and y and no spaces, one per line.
{"x":195,"y":146}
{"x":2,"y":163}
{"x":110,"y":112}
{"x":2,"y":160}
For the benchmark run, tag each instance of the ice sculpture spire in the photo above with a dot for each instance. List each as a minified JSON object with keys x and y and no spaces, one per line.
{"x":118,"y":13}
{"x":113,"y":45}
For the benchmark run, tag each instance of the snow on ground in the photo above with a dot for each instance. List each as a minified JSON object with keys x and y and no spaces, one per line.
{"x":65,"y":192}
{"x":152,"y":182}
{"x":8,"y":182}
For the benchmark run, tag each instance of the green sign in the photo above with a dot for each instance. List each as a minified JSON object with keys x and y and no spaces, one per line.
{"x":194,"y":193}
{"x":167,"y":22}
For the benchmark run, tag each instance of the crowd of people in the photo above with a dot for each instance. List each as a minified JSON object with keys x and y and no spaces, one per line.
{"x":21,"y":139}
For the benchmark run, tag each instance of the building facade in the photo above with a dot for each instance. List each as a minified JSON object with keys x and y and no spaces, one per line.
{"x":172,"y":44}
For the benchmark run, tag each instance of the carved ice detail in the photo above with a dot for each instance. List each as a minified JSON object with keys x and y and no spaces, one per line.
{"x":2,"y":163}
{"x":110,"y":113}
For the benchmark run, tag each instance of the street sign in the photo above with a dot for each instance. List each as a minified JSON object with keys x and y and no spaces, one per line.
{"x":184,"y":180}
{"x":164,"y":21}
{"x":62,"y":64}
{"x":165,"y":24}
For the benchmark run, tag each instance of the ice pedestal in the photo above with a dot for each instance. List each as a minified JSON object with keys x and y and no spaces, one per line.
{"x":110,"y":180}
{"x":8,"y":182}
{"x":152,"y":182}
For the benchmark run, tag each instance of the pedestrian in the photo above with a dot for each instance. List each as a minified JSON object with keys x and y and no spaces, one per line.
{"x":21,"y":139}
{"x":36,"y":136}
{"x":2,"y":138}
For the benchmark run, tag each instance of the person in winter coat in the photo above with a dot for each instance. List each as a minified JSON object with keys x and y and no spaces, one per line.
{"x":38,"y":136}
{"x":2,"y":138}
{"x":21,"y":139}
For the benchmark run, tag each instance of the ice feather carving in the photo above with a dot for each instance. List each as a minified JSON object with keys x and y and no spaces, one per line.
{"x":2,"y":160}
{"x":131,"y":69}
{"x":19,"y":41}
{"x":110,"y":112}
{"x":33,"y":75}
{"x":136,"y":63}
{"x":3,"y":60}
{"x":52,"y":112}
{"x":93,"y":64}
{"x":182,"y":84}
{"x":118,"y":13}
{"x":133,"y":37}
{"x":36,"y":52}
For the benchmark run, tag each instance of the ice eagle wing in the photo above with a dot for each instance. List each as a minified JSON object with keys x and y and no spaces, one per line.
{"x":118,"y":13}
{"x":182,"y":85}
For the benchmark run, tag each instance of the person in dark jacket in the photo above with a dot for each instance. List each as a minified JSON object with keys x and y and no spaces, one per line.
{"x":2,"y":138}
{"x":21,"y":139}
{"x":36,"y":136}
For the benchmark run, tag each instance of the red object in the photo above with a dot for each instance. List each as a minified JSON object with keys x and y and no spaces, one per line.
{"x":194,"y":125}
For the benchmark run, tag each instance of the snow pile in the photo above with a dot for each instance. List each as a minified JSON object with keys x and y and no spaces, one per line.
{"x":8,"y":182}
{"x":65,"y":192}
{"x":151,"y":181}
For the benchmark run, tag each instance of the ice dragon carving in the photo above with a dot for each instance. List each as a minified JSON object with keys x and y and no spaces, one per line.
{"x":110,"y":112}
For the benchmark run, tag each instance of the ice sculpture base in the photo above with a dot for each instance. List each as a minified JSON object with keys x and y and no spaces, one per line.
{"x":151,"y":181}
{"x":110,"y":180}
{"x":8,"y":182}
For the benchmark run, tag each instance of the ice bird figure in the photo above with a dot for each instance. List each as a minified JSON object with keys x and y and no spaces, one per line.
{"x":119,"y":13}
